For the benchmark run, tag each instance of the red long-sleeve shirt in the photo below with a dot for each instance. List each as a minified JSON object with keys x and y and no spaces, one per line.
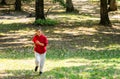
{"x":42,"y":39}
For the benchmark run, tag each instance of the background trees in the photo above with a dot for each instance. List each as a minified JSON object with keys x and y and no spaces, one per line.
{"x":105,"y":7}
{"x":69,"y":6}
{"x":18,"y":5}
{"x":104,"y":10}
{"x":104,"y":18}
{"x":39,"y":9}
{"x":3,"y":2}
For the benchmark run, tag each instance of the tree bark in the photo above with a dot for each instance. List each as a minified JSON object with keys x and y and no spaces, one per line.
{"x":39,"y":9}
{"x":69,"y":6}
{"x":112,"y":5}
{"x":104,"y":17}
{"x":3,"y":2}
{"x":18,"y":5}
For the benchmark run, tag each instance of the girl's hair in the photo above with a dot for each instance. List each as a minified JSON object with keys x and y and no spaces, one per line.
{"x":38,"y":29}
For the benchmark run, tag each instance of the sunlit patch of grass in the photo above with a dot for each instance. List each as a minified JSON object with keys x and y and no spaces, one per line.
{"x":20,"y":64}
{"x":113,"y":46}
{"x":19,"y":20}
{"x":25,"y":67}
{"x":61,"y":63}
{"x":72,"y":18}
{"x":77,"y":31}
{"x":84,"y":72}
{"x":17,"y":62}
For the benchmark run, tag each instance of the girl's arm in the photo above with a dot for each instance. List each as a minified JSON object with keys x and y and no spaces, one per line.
{"x":37,"y":42}
{"x":41,"y":44}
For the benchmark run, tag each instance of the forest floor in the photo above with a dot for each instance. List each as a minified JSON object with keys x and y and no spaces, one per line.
{"x":78,"y":47}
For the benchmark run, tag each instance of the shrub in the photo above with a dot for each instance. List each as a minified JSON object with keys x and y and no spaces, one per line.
{"x":48,"y":22}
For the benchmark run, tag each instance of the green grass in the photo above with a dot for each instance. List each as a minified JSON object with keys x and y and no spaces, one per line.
{"x":61,"y":64}
{"x":65,"y":60}
{"x":7,"y":28}
{"x":68,"y":56}
{"x":46,"y":22}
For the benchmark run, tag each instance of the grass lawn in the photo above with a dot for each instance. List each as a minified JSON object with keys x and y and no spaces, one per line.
{"x":78,"y":47}
{"x":61,"y":64}
{"x":78,"y":52}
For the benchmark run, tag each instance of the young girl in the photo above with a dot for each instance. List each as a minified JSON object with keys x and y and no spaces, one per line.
{"x":40,"y":43}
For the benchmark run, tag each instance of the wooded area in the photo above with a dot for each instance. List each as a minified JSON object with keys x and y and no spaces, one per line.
{"x":83,"y":39}
{"x":106,"y":6}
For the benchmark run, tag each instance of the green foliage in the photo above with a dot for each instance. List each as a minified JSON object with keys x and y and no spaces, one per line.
{"x":47,"y":22}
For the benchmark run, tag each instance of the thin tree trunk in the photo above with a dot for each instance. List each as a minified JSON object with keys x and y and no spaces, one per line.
{"x":18,"y":5}
{"x":39,"y":9}
{"x":3,"y":2}
{"x":69,"y":6}
{"x":104,"y":17}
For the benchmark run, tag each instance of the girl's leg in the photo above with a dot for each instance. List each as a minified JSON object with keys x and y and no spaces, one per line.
{"x":42,"y":61}
{"x":37,"y":60}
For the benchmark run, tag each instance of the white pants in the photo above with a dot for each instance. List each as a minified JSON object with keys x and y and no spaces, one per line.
{"x":40,"y":60}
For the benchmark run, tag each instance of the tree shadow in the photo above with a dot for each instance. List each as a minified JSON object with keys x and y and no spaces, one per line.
{"x":12,"y":15}
{"x":83,"y":39}
{"x":20,"y":74}
{"x":15,"y":35}
{"x":84,"y":35}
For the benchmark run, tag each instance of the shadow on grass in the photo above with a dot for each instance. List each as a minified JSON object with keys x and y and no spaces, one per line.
{"x":83,"y":40}
{"x":75,"y":72}
{"x":7,"y":28}
{"x":83,"y":35}
{"x":20,"y":74}
{"x":13,"y":35}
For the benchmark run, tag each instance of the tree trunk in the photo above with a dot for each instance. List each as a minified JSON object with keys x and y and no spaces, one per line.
{"x":39,"y":9}
{"x":69,"y":6}
{"x":3,"y":2}
{"x":112,"y":5}
{"x":18,"y":5}
{"x":104,"y":17}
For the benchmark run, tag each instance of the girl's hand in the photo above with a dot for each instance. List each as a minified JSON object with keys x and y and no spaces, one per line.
{"x":39,"y":43}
